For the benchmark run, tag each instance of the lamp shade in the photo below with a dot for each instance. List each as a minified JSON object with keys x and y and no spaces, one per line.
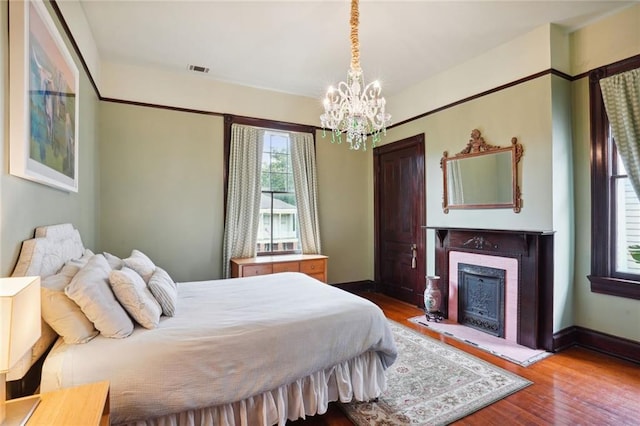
{"x":19,"y":318}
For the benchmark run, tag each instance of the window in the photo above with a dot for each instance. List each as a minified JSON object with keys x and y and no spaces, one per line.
{"x":278,"y":211}
{"x":626,"y":226}
{"x":615,"y":208}
{"x":278,"y":225}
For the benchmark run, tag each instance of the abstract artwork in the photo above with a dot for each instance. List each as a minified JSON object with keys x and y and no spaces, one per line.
{"x":43,"y":95}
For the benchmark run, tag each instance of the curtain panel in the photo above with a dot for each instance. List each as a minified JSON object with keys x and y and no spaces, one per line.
{"x":303,"y":162}
{"x":243,"y":194}
{"x":621,"y":95}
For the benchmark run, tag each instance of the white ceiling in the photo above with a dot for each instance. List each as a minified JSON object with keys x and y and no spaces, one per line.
{"x":301,"y":47}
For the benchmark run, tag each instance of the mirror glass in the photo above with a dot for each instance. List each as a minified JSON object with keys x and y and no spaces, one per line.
{"x":486,"y":178}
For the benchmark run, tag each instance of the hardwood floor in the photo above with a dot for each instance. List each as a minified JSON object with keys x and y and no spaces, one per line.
{"x":575,"y":386}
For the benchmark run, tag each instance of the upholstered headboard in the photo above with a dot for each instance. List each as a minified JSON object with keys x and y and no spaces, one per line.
{"x":44,"y":255}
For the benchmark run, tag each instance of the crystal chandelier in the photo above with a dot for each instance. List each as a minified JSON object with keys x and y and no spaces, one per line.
{"x":355,"y":108}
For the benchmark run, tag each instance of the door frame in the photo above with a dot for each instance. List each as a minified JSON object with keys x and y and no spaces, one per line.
{"x":419,"y":206}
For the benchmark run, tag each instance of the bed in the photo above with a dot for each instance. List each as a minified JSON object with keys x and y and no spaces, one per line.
{"x":243,"y":351}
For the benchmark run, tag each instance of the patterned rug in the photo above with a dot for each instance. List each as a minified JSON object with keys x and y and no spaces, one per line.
{"x":432,"y":383}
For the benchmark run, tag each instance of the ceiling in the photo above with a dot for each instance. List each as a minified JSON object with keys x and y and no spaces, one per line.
{"x":301,"y":47}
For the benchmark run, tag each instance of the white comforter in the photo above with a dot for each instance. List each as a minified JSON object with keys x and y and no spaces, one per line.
{"x":229,"y":340}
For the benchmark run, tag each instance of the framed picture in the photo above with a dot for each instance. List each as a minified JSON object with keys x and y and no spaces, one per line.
{"x":43,"y":99}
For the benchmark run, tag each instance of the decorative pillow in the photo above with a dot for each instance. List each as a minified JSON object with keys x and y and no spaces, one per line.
{"x":114,"y":261}
{"x":82,"y":261}
{"x":90,"y":289}
{"x":140,"y":263}
{"x":134,"y":295}
{"x":165,"y":290}
{"x":62,"y":313}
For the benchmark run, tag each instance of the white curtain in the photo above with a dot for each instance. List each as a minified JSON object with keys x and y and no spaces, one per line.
{"x":303,"y":162}
{"x":621,"y":95}
{"x":454,"y":183}
{"x":243,"y":194}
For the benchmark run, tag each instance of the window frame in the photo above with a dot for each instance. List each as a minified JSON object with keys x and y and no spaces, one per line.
{"x":229,"y":120}
{"x":603,"y":278}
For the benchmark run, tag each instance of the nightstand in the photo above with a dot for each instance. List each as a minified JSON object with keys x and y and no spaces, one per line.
{"x":85,"y":405}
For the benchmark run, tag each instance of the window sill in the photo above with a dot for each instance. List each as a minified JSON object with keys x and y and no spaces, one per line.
{"x":278,"y":253}
{"x":615,"y":287}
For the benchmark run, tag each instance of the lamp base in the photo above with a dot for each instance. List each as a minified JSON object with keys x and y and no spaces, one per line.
{"x":18,"y":411}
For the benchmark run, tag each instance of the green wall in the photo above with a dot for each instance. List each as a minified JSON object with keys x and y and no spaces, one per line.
{"x":162,"y":189}
{"x":522,"y":111}
{"x":602,"y":43}
{"x":536,"y":112}
{"x":25,"y":205}
{"x":562,"y":203}
{"x":613,"y":315}
{"x":345,"y":203}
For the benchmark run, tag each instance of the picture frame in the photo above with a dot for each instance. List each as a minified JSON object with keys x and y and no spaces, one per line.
{"x":43,"y":99}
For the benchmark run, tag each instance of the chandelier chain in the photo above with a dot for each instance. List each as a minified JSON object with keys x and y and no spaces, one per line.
{"x":355,"y":43}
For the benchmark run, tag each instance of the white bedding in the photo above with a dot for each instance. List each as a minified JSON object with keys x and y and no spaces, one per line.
{"x":236,"y":342}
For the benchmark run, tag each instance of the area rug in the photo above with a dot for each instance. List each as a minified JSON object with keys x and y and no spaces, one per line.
{"x":505,"y":349}
{"x":432,"y":383}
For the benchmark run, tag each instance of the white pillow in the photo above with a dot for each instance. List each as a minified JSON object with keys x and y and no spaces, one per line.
{"x":134,"y":295}
{"x":114,"y":261}
{"x":90,"y":289}
{"x":140,"y":263}
{"x":82,"y":261}
{"x":62,"y":313}
{"x":165,"y":290}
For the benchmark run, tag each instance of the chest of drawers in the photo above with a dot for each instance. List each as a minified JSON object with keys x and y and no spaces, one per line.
{"x":314,"y":265}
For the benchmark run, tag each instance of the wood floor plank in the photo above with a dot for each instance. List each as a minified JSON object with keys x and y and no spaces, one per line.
{"x":575,"y":386}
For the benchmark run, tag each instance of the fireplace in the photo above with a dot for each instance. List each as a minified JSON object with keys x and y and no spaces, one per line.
{"x":527,"y":259}
{"x":511,"y":279}
{"x":481,"y":298}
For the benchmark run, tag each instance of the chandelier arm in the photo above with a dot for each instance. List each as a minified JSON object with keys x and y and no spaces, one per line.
{"x":355,"y":43}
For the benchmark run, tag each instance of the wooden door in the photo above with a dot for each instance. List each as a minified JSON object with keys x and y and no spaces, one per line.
{"x":399,"y":198}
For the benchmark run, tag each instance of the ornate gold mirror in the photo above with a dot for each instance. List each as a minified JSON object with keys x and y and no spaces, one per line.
{"x":482,"y":176}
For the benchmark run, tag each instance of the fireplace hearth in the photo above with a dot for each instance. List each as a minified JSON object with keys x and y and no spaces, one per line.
{"x":481,"y":302}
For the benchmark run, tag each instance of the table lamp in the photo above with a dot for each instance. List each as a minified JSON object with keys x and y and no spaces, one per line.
{"x":19,"y":331}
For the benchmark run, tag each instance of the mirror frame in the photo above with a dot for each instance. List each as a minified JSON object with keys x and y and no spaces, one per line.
{"x":477,"y":147}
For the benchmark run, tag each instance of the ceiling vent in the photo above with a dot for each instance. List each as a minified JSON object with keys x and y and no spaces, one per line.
{"x":198,"y":68}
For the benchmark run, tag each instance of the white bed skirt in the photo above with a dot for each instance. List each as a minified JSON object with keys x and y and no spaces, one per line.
{"x":361,"y":378}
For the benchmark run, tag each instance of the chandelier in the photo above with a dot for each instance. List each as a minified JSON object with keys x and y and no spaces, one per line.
{"x":353,"y":107}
